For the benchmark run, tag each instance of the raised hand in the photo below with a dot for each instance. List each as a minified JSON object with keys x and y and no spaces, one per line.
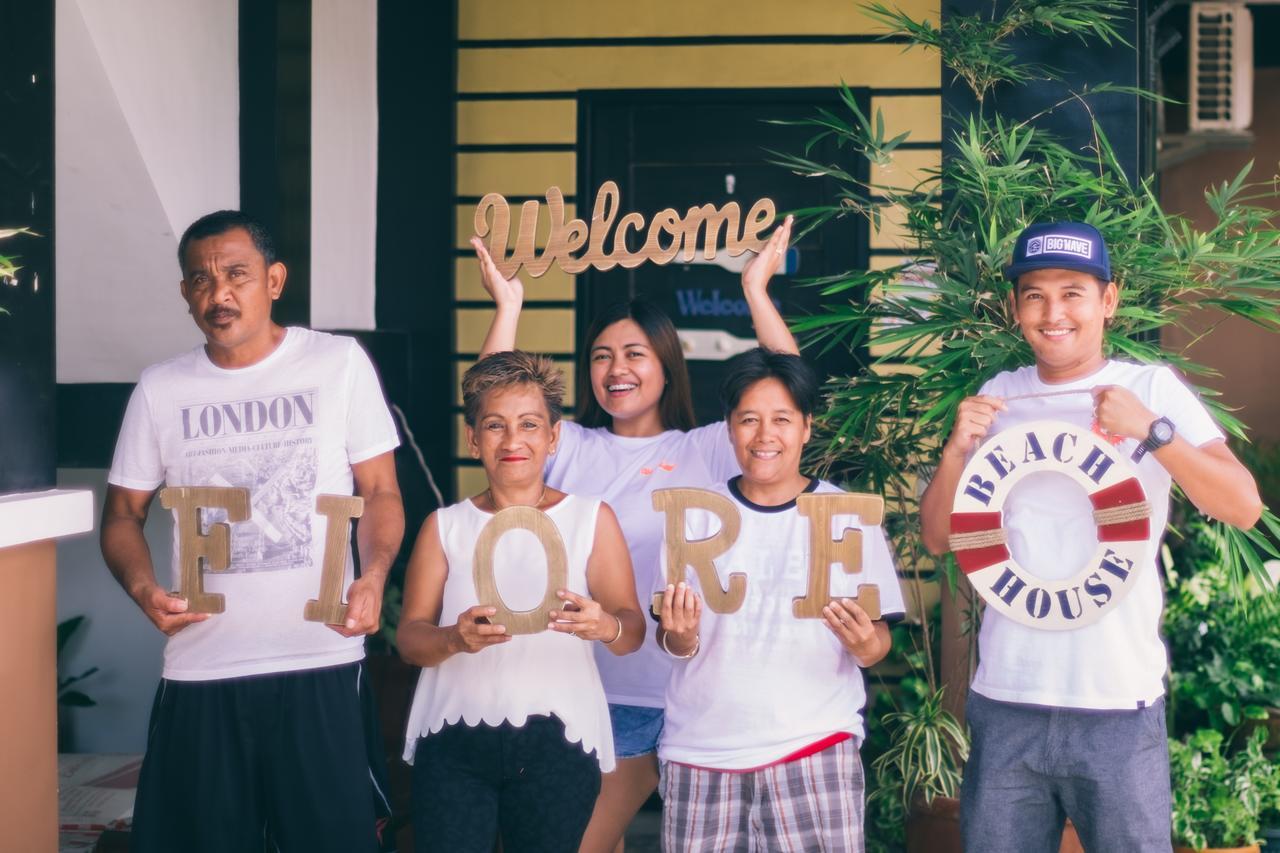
{"x":506,"y":292}
{"x":761,"y":268}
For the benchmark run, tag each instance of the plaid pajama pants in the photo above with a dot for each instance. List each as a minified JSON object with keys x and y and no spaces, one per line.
{"x":813,"y":804}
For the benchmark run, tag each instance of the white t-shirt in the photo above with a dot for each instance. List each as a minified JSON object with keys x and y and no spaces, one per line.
{"x":624,"y":472}
{"x":765,"y":684}
{"x":1118,"y":661}
{"x":543,"y":673}
{"x":288,"y":428}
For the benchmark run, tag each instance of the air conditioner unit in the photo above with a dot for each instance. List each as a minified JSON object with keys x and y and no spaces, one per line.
{"x":1221,"y":67}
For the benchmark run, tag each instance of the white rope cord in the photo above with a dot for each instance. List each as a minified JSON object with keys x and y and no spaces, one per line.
{"x":977,"y":539}
{"x":1048,"y":394}
{"x":1120,"y":514}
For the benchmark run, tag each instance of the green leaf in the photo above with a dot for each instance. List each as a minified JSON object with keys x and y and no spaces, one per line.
{"x":75,"y":699}
{"x":66,"y":628}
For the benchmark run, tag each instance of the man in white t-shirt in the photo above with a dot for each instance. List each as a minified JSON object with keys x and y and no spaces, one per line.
{"x":1071,"y":723}
{"x":262,"y":726}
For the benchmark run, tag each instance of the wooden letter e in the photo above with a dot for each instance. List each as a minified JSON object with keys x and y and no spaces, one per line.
{"x":847,"y":550}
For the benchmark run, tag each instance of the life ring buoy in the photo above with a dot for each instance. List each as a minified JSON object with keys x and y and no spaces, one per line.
{"x":1121,"y":513}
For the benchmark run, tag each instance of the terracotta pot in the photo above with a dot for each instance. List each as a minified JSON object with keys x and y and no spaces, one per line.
{"x":935,"y":828}
{"x":1252,"y":848}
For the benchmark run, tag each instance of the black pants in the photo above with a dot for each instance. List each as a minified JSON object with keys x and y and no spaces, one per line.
{"x":288,"y":762}
{"x":471,"y":783}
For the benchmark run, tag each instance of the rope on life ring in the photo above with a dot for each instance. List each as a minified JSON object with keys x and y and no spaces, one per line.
{"x":1121,"y":512}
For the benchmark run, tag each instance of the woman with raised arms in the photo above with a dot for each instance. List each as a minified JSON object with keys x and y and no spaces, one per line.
{"x":508,"y":735}
{"x":635,"y":433}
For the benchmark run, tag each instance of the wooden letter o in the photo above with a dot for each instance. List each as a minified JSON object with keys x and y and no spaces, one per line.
{"x":540,"y":525}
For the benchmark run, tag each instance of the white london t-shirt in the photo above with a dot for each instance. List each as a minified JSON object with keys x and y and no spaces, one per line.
{"x":765,"y":684}
{"x":287,"y":428}
{"x":1118,"y":661}
{"x":624,"y":472}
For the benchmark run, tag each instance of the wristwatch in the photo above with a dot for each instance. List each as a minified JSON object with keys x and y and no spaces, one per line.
{"x":1159,"y":435}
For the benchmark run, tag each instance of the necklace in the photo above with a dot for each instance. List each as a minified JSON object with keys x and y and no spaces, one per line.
{"x":535,"y":505}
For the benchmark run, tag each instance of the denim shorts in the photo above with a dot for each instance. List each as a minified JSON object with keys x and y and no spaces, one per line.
{"x":635,"y":729}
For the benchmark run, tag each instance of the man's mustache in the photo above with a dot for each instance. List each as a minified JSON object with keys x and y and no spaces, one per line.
{"x":213,"y":315}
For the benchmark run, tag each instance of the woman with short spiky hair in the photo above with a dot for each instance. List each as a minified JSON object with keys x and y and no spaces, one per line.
{"x":508,"y":734}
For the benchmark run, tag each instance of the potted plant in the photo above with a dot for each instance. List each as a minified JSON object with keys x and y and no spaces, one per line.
{"x":920,"y":768}
{"x":1224,"y":644}
{"x":940,"y":319}
{"x":1218,"y":800}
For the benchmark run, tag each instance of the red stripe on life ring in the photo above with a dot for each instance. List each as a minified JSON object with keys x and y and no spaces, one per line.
{"x":978,"y":558}
{"x":1125,"y":492}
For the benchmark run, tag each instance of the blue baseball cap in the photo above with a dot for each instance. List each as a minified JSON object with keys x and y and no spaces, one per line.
{"x":1060,"y":246}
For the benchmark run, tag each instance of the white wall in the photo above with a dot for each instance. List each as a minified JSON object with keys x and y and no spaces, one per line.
{"x":146,"y":140}
{"x":115,"y":636}
{"x":344,"y":162}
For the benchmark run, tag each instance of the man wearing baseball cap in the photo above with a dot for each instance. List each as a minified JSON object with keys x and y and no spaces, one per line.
{"x":1072,"y":723}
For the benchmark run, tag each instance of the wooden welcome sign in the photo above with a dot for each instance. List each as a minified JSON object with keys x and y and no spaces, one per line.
{"x":1121,"y":514}
{"x":213,"y":549}
{"x":493,"y":220}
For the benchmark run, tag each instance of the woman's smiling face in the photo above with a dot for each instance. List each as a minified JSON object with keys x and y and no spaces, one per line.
{"x":513,"y":434}
{"x":627,"y":377}
{"x":768,"y":432}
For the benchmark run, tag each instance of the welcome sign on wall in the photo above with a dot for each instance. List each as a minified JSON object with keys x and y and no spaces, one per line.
{"x":669,"y":234}
{"x":1121,"y":513}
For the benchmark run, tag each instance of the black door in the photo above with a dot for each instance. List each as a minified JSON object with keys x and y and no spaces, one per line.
{"x":684,"y":148}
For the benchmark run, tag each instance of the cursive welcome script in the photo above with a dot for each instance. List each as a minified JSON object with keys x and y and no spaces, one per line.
{"x":669,"y":233}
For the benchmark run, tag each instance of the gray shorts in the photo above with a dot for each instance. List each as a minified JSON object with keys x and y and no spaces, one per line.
{"x":1031,"y":767}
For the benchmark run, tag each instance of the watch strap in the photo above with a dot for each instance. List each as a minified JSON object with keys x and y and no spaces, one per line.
{"x":1151,"y":443}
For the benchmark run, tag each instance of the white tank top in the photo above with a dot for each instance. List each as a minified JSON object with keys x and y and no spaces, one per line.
{"x":544,"y":673}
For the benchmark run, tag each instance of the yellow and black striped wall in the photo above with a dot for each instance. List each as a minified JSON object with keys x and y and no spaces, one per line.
{"x":521,"y":65}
